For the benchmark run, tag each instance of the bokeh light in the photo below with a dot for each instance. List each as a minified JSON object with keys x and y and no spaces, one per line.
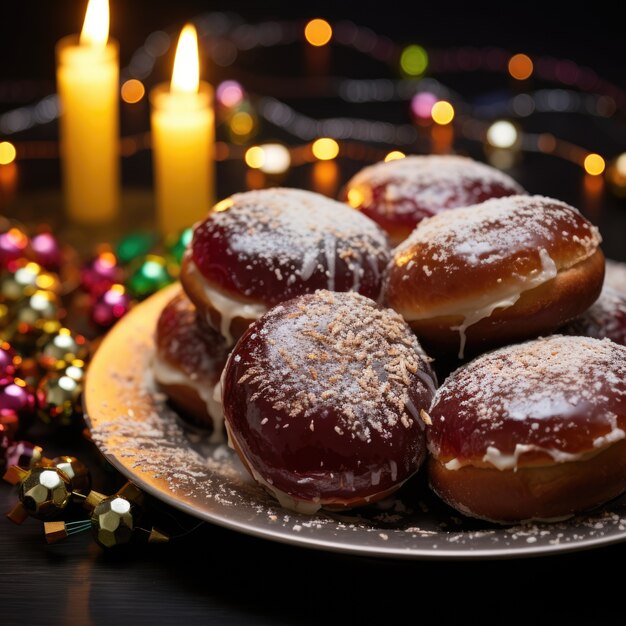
{"x":394,"y":155}
{"x":7,"y":152}
{"x":242,"y":123}
{"x":594,"y":164}
{"x":620,"y":164}
{"x":229,"y":93}
{"x":422,"y":104}
{"x":616,"y":175}
{"x":414,"y":60}
{"x":442,"y":112}
{"x":325,"y":149}
{"x":520,"y":66}
{"x":276,"y":158}
{"x":356,"y":197}
{"x":223,"y":205}
{"x":318,"y":32}
{"x":255,"y":157}
{"x":502,"y":134}
{"x":132,"y":91}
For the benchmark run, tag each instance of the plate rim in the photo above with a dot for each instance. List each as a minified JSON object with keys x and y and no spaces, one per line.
{"x":304,"y":541}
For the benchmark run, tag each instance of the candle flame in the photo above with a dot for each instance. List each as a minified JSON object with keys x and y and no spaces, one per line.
{"x":186,"y":74}
{"x":96,"y":26}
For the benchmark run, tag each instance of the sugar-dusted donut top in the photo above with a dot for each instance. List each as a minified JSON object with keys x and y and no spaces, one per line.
{"x":489,"y":250}
{"x":405,"y":191}
{"x":542,"y":401}
{"x":187,"y":345}
{"x":329,"y":382}
{"x":274,"y":244}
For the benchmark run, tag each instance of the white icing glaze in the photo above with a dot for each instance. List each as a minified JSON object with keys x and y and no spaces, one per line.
{"x":475,"y":315}
{"x":510,"y":461}
{"x":167,"y":375}
{"x":228,"y":307}
{"x":504,"y":461}
{"x":480,"y":308}
{"x":544,"y":389}
{"x":615,"y":434}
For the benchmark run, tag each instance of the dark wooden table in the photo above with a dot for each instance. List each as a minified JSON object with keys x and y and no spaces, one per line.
{"x":216,"y":576}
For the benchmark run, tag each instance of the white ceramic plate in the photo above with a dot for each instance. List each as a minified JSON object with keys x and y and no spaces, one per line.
{"x":138,"y":433}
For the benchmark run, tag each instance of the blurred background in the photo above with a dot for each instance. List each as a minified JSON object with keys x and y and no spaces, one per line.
{"x":374,"y":83}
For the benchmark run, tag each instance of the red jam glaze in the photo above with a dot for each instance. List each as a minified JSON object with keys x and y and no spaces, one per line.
{"x":606,"y":318}
{"x":322,"y":396}
{"x":274,"y":244}
{"x":559,"y":394}
{"x":195,"y":349}
{"x":399,"y":194}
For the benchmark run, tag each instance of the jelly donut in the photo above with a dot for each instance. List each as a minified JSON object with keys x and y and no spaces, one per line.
{"x":606,"y":318}
{"x":322,"y":397}
{"x":507,"y":269}
{"x":188,"y":363}
{"x":532,"y":431}
{"x":398,"y":194}
{"x":259,"y":248}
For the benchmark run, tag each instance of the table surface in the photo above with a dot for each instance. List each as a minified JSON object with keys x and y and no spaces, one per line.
{"x":213,"y":575}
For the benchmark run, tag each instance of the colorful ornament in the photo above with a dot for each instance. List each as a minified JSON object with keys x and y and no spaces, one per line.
{"x":20,"y":453}
{"x":40,"y":307}
{"x":134,"y":246}
{"x":10,"y":360}
{"x":45,"y":250}
{"x":112,"y":521}
{"x":77,"y":472}
{"x":13,"y":245}
{"x":56,"y":350}
{"x":110,"y":306}
{"x":151,"y":274}
{"x":24,"y":337}
{"x":114,"y":518}
{"x":17,"y":405}
{"x":23,"y":454}
{"x":179,"y":244}
{"x":58,"y":394}
{"x":101,"y":272}
{"x":5,"y":315}
{"x":44,"y":493}
{"x":47,"y":489}
{"x":23,"y":279}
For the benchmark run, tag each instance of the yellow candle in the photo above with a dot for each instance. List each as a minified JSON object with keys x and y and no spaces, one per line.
{"x":88,"y":86}
{"x":182,"y":140}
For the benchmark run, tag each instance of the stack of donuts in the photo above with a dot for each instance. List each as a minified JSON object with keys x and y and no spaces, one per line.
{"x":316,"y":347}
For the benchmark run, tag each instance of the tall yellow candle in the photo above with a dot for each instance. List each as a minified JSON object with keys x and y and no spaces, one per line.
{"x":182,"y":140}
{"x":88,"y":86}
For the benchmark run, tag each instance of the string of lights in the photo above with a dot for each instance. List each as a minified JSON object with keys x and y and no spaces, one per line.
{"x":432,"y":105}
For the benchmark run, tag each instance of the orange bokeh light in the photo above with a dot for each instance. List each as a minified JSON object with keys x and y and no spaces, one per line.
{"x":520,"y":66}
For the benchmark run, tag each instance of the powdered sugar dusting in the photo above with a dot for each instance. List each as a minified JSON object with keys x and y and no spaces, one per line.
{"x":134,"y":428}
{"x":490,"y":232}
{"x":557,"y":395}
{"x":433,"y":182}
{"x":286,"y":240}
{"x":344,"y":352}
